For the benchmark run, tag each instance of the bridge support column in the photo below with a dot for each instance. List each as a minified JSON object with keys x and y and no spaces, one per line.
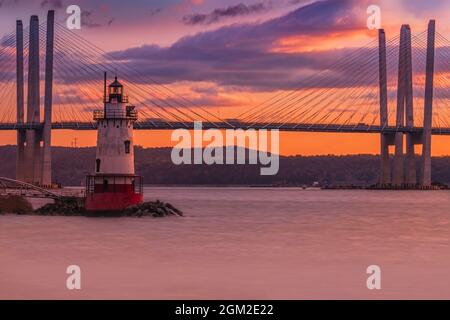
{"x":398,"y":170}
{"x":47,"y":157}
{"x":33,"y":147}
{"x":385,"y":172}
{"x":411,"y":175}
{"x":21,"y":134}
{"x":425,"y":174}
{"x":404,"y":107}
{"x":397,"y":178}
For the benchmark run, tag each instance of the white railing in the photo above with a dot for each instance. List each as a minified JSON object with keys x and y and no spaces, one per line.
{"x":115,"y":114}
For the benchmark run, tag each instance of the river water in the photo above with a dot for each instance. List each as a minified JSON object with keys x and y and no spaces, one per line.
{"x":239,"y":243}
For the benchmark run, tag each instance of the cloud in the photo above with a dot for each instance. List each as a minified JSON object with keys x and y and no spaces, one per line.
{"x":420,"y":7}
{"x":218,"y":14}
{"x":88,"y":20}
{"x":57,"y":4}
{"x":110,"y":21}
{"x":154,"y":11}
{"x":244,"y":55}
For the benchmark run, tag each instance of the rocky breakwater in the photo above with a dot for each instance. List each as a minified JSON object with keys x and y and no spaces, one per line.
{"x":156,"y":209}
{"x":73,"y":206}
{"x":15,"y":204}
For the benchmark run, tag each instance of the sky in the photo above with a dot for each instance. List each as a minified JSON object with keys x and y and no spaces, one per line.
{"x":232,"y":55}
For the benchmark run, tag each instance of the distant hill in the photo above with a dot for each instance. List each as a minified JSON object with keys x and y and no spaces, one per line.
{"x":70,"y":165}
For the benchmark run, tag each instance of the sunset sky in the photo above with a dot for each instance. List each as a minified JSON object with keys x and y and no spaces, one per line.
{"x":234,"y":54}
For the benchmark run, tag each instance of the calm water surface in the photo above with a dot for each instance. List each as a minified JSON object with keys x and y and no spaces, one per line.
{"x":244,"y":243}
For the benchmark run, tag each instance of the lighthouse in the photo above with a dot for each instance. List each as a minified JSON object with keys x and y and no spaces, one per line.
{"x":114,"y":185}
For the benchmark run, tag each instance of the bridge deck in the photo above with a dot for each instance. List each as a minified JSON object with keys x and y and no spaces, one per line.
{"x":293,"y":127}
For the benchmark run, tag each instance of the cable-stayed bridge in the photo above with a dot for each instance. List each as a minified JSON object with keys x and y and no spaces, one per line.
{"x":396,"y":87}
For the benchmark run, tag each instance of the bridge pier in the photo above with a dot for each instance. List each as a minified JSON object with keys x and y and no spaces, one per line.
{"x":46,"y":179}
{"x":404,"y":104}
{"x":410,"y":164}
{"x":404,"y":171}
{"x":385,"y":170}
{"x":425,"y":174}
{"x":32,"y":148}
{"x":34,"y":144}
{"x":21,"y":134}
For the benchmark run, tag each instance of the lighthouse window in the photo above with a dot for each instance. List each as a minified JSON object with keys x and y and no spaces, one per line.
{"x":127,"y":146}
{"x":97,"y":162}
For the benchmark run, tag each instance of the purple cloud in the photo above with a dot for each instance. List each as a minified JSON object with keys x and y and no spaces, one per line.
{"x":242,"y":55}
{"x":57,"y":4}
{"x":420,"y":7}
{"x":218,"y":14}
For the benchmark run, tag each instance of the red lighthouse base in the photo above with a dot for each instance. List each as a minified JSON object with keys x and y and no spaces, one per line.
{"x":113,"y":192}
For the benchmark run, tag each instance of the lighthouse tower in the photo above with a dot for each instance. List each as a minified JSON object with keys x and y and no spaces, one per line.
{"x":114,"y":186}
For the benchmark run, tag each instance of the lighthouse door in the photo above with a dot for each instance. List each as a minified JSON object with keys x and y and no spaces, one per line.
{"x":98,"y":162}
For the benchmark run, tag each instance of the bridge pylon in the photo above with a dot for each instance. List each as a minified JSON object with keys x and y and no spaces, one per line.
{"x":404,"y":171}
{"x":425,"y":174}
{"x":20,"y":163}
{"x":34,"y":141}
{"x":385,"y":170}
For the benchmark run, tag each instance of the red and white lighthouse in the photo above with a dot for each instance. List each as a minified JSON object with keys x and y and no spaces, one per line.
{"x":114,"y":185}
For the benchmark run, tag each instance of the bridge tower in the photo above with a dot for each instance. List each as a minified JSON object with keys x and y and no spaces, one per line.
{"x":46,"y":165}
{"x":20,"y":163}
{"x":404,"y":173}
{"x":33,"y":138}
{"x":385,"y":170}
{"x":425,"y":174}
{"x":404,"y":168}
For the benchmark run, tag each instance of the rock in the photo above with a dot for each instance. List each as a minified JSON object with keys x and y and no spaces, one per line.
{"x":66,"y":206}
{"x":73,"y":206}
{"x":174,"y":210}
{"x":155,"y":209}
{"x":15,"y":204}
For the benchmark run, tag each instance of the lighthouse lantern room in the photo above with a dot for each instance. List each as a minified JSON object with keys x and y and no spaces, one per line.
{"x":114,"y":185}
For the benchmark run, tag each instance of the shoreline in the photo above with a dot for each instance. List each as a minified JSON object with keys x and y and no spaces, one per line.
{"x":75,"y":207}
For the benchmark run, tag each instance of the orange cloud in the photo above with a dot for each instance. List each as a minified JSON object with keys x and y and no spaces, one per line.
{"x":334,"y":40}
